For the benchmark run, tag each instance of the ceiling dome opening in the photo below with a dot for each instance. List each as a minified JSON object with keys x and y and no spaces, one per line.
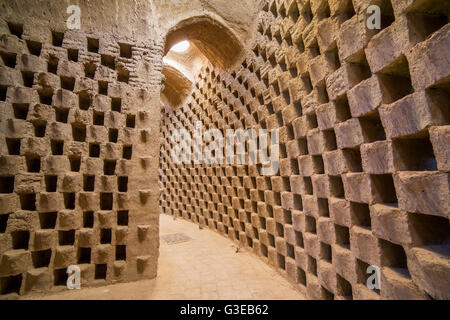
{"x":212,"y":39}
{"x":190,"y":45}
{"x":181,"y":46}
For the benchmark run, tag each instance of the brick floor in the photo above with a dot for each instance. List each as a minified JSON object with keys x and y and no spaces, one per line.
{"x":205,"y":267}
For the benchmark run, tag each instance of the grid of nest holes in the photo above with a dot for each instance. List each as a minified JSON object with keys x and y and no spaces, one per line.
{"x":75,"y":147}
{"x":311,"y":219}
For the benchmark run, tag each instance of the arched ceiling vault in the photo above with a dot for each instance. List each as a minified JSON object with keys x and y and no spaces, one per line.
{"x":217,"y":33}
{"x":214,"y":40}
{"x":176,"y":86}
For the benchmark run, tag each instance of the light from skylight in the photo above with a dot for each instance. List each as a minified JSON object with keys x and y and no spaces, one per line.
{"x":181,"y":46}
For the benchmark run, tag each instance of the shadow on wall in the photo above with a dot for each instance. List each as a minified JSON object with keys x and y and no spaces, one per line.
{"x":176,"y":86}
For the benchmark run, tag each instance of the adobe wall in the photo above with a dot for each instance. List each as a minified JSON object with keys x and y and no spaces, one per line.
{"x":79,"y":124}
{"x":364,"y":126}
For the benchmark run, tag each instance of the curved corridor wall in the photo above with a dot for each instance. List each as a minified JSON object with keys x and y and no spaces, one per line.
{"x":78,"y":143}
{"x":364,"y":126}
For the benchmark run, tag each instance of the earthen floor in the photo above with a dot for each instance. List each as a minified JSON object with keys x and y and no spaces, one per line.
{"x":204,"y":267}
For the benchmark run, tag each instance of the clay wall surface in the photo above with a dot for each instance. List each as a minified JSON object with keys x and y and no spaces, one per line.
{"x":364,"y":124}
{"x":78,"y":144}
{"x":86,"y":119}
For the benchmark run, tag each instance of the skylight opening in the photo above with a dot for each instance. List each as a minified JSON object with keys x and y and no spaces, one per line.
{"x":181,"y":46}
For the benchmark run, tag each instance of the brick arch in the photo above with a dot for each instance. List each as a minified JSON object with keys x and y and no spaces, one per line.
{"x":211,"y":37}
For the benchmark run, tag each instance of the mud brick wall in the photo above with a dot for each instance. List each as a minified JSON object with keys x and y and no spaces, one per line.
{"x":78,"y":137}
{"x":364,"y":145}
